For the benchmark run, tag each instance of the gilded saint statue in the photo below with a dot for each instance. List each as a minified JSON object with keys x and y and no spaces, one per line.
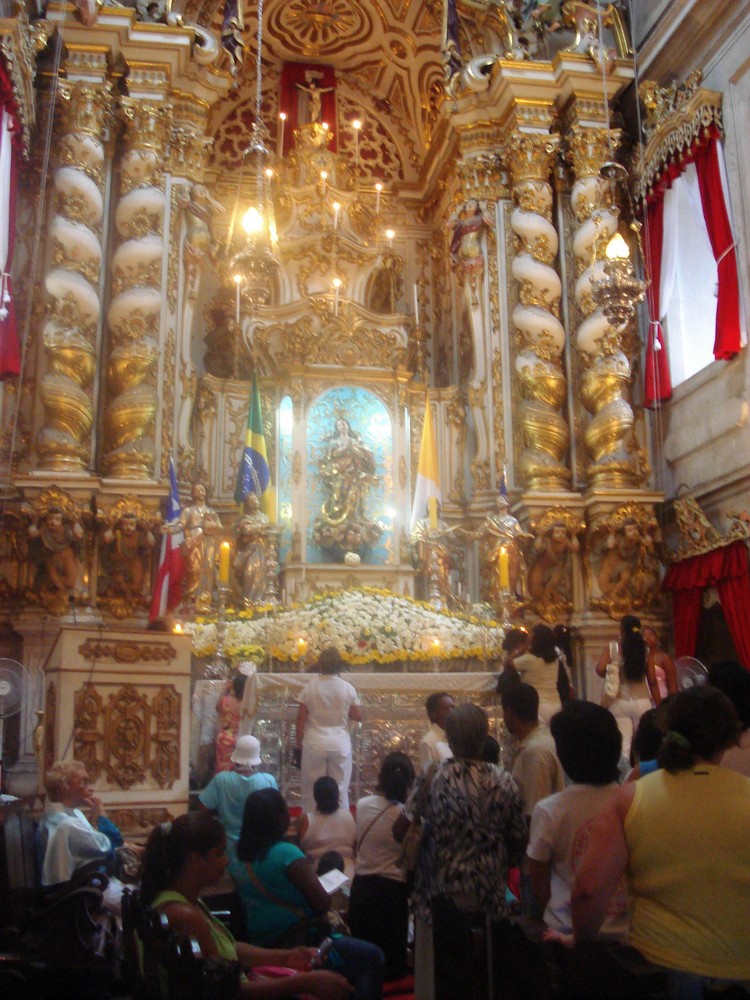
{"x":433,"y":555}
{"x":126,"y":552}
{"x":347,"y":471}
{"x":550,"y":578}
{"x":255,"y":562}
{"x":466,"y":248}
{"x":201,"y":526}
{"x":627,"y":569}
{"x":55,"y":540}
{"x":501,"y":535}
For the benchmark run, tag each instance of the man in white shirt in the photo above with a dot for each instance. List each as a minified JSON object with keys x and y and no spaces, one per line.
{"x":536,"y":769}
{"x":588,"y":743}
{"x":433,"y":747}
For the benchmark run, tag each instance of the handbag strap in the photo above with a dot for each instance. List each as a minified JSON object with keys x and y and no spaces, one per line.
{"x":276,"y":900}
{"x":370,"y":826}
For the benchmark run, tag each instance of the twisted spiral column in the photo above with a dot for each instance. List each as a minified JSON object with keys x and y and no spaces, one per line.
{"x":72,"y":281}
{"x":606,"y":376}
{"x":134,"y":315}
{"x":541,"y":336}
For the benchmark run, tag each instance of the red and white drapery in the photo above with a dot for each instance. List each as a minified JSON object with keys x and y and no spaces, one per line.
{"x":10,"y":355}
{"x":707,"y":155}
{"x":727,"y":570}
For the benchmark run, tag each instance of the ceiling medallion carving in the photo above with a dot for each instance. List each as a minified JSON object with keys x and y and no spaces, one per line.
{"x":320,"y":27}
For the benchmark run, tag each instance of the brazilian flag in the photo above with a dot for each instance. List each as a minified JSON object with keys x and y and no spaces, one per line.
{"x":253,"y":475}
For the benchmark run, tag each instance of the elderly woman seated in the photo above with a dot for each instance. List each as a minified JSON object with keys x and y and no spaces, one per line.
{"x":67,"y":840}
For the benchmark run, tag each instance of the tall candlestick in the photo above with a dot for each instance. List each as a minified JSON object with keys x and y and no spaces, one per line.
{"x":336,"y":285}
{"x":323,"y":179}
{"x":356,"y":125}
{"x":224,"y":562}
{"x":237,"y":281}
{"x":416,"y":304}
{"x":378,"y":189}
{"x":503,"y":566}
{"x":282,"y":117}
{"x":336,"y":208}
{"x":432,"y":512}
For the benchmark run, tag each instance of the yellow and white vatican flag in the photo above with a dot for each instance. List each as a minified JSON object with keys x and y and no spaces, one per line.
{"x":428,"y":480}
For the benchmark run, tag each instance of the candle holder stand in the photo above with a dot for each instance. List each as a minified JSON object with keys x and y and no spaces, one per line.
{"x":220,"y":667}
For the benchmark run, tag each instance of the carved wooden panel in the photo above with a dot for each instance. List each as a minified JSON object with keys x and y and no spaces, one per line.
{"x":133,"y":737}
{"x":130,"y":651}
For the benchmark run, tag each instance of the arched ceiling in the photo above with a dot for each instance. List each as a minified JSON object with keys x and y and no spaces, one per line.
{"x":386,"y":56}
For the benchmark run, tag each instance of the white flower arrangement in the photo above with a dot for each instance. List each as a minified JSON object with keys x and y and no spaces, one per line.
{"x":366,"y":625}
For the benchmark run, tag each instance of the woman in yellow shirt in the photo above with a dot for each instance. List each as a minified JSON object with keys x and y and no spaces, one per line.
{"x":680,"y":835}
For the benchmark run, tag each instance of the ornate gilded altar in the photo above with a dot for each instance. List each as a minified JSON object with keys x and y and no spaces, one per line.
{"x":482,"y":304}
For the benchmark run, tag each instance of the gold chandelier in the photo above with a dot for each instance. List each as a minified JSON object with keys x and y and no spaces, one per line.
{"x":618,"y":293}
{"x":251,"y":267}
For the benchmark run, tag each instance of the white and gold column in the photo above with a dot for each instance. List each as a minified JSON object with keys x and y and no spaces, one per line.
{"x":536,"y":316}
{"x":614,"y":459}
{"x":135,"y":312}
{"x":72,"y":279}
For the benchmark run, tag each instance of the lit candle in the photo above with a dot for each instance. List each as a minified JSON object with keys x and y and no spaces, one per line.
{"x":432,"y":512}
{"x":336,"y":208}
{"x":378,"y":189}
{"x":336,"y":285}
{"x":237,"y":282}
{"x":416,"y":304}
{"x":504,"y":569}
{"x":356,"y":125}
{"x":282,"y":117}
{"x":224,"y":562}
{"x":389,"y":234}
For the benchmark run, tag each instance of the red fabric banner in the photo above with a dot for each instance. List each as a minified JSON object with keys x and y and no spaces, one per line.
{"x":10,"y":352}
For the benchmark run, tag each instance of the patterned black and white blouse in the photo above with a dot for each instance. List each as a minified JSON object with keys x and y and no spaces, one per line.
{"x":474,"y":829}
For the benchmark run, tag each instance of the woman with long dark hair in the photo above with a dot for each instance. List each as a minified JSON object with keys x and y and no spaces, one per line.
{"x":680,"y":836}
{"x":379,"y":900}
{"x":282,"y":896}
{"x":541,"y":668}
{"x":186,"y":856}
{"x":637,"y":690}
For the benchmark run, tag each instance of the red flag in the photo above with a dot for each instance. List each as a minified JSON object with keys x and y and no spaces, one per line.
{"x":168,"y":587}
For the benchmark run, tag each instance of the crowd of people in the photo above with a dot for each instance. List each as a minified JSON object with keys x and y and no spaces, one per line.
{"x":611,"y":854}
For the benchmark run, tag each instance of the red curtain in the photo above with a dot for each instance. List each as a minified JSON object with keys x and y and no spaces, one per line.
{"x":727,"y":342}
{"x":658,"y":382}
{"x":10,"y":354}
{"x":705,"y":154}
{"x":291,"y":75}
{"x":727,"y":570}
